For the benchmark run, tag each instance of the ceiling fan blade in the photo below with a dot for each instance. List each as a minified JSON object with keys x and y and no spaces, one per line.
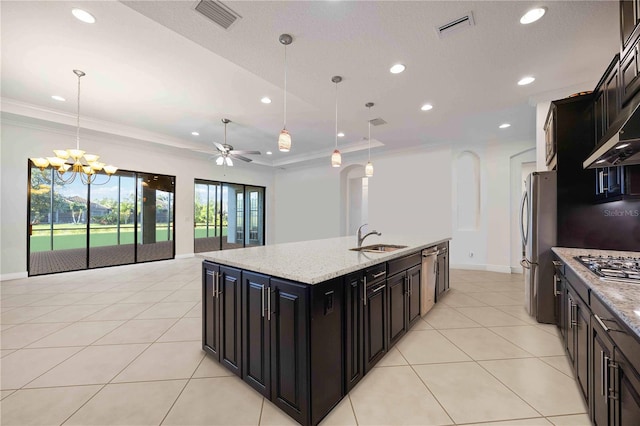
{"x":240,"y":157}
{"x":219,"y":146}
{"x":235,"y":151}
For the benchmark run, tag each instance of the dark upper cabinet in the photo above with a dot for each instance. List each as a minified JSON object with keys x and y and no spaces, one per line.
{"x":221,"y":315}
{"x":629,"y":81}
{"x":256,"y":332}
{"x":629,"y":20}
{"x":607,"y":101}
{"x":353,"y":329}
{"x":550,"y":139}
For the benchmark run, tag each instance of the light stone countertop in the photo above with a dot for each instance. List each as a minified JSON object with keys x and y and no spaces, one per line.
{"x":315,"y":261}
{"x":621,"y":298}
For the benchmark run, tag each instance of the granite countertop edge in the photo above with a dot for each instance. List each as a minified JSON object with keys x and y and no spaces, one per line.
{"x":315,"y":261}
{"x":623,"y":299}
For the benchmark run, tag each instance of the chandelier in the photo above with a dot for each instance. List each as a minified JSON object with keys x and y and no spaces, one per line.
{"x":73,"y":162}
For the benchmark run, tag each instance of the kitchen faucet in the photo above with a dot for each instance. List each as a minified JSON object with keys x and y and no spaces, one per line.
{"x":361,"y":238}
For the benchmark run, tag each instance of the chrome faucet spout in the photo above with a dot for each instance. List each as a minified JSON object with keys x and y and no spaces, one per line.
{"x":361,"y":237}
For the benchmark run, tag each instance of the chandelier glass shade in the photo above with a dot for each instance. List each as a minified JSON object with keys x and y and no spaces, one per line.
{"x":73,"y":162}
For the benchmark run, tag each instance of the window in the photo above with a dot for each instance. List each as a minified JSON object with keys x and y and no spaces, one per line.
{"x":73,"y":226}
{"x":227,"y":216}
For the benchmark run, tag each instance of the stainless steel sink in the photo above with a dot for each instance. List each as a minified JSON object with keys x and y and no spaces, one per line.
{"x":379,"y":248}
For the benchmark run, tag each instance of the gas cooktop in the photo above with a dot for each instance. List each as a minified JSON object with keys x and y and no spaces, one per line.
{"x":610,"y":268}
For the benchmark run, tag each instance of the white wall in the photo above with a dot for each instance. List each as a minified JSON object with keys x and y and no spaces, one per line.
{"x":21,"y":141}
{"x":489,"y":246}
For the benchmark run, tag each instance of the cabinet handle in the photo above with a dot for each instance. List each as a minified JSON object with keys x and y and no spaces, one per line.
{"x":262,"y":300}
{"x":602,"y":374}
{"x":216,"y":284}
{"x":379,"y":288}
{"x":364,"y":291}
{"x":269,"y":304}
{"x":606,"y":376}
{"x":379,"y":274}
{"x":570,"y":313}
{"x":574,"y":315}
{"x":613,"y":392}
{"x":557,"y":263}
{"x":602,"y":324}
{"x":556,"y":280}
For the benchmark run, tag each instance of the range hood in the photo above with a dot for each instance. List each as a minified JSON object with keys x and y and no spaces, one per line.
{"x":621,"y":144}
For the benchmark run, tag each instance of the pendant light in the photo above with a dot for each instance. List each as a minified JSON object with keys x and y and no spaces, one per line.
{"x":336,"y":158}
{"x":368,"y":170}
{"x":74,"y":160}
{"x":284,"y":140}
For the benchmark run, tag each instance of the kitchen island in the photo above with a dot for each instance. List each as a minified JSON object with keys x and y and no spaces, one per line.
{"x":303,"y":322}
{"x":599,"y":322}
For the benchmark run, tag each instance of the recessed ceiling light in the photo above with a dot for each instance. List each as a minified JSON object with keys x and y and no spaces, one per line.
{"x":341,"y":135}
{"x":533,"y":15}
{"x":623,"y":145}
{"x":265,"y":100}
{"x":269,"y":152}
{"x":397,"y":69}
{"x":195,"y":133}
{"x":504,"y":125}
{"x":526,"y":80}
{"x":58,"y":98}
{"x":83,"y":16}
{"x":426,"y":107}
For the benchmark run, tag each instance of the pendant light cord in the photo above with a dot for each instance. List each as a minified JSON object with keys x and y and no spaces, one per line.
{"x":78,"y":118}
{"x":369,"y":122}
{"x":285,"y":88}
{"x":336,"y":133}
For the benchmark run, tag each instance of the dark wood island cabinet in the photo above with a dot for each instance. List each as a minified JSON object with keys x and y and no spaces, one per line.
{"x":304,"y":345}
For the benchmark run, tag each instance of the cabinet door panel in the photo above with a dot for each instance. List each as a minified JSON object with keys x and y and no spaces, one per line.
{"x":289,"y":348}
{"x":210,"y":314}
{"x":255,"y":333}
{"x":582,"y":349}
{"x":602,"y":352}
{"x":354,"y":326}
{"x":397,"y":292}
{"x":628,"y":392}
{"x":413,"y":309}
{"x":571,"y":328}
{"x":230,"y":308}
{"x":375,"y":332}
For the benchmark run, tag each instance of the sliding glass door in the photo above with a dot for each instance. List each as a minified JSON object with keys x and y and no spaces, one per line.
{"x":227,"y":216}
{"x":122,"y":220}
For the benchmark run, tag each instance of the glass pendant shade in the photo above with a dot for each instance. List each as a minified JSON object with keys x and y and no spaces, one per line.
{"x":110,"y":169}
{"x":336,"y":159}
{"x":61,"y":153}
{"x":40,"y":162}
{"x":368,"y":170}
{"x":284,"y":141}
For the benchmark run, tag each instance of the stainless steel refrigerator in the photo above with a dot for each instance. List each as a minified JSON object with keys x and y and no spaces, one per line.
{"x":538,"y":225}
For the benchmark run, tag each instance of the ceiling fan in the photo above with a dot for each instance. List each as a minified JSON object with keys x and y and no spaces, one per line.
{"x":226,"y":151}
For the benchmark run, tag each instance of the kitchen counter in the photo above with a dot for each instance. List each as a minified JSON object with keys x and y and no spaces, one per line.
{"x":316,"y":261}
{"x":621,"y":298}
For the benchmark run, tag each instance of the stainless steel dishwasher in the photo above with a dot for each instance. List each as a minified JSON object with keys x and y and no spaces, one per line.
{"x":428,"y":280}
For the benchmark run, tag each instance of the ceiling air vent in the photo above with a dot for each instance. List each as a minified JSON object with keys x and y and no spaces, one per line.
{"x":218,"y":13}
{"x":377,"y":121}
{"x":461,"y":23}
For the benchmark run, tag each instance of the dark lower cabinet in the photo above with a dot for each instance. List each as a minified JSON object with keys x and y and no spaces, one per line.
{"x":221,"y":315}
{"x":256,"y":333}
{"x":626,"y":394}
{"x":353,"y":330}
{"x":578,"y":338}
{"x":375,"y":325}
{"x":414,"y":277}
{"x":396,"y":293}
{"x":442,"y":270}
{"x":602,"y":353}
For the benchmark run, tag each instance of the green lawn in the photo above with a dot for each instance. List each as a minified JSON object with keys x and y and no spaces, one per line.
{"x":70,"y":236}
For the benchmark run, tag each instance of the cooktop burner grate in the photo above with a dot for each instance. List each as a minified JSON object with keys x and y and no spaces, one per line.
{"x":622,"y":269}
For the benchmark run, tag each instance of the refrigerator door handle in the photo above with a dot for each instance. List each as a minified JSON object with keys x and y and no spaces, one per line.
{"x":523,"y":202}
{"x":525,"y":263}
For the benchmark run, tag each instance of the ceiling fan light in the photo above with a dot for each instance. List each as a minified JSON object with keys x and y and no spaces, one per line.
{"x":336,"y":159}
{"x":368,"y":169}
{"x":228,"y":161}
{"x":284,"y":141}
{"x":220,"y":161}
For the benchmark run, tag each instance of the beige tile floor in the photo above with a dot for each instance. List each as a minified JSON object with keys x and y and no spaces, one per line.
{"x":122,"y":346}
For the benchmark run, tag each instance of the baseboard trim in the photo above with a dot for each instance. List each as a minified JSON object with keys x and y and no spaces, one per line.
{"x":489,"y":268}
{"x":185,"y":255}
{"x":13,"y":276}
